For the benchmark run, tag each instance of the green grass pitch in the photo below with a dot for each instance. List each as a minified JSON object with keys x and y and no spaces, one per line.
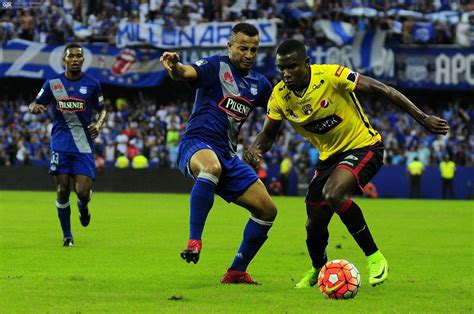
{"x":127,"y":260}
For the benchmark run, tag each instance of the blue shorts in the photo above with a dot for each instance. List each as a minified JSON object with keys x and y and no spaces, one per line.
{"x":236,"y":176}
{"x":72,"y":163}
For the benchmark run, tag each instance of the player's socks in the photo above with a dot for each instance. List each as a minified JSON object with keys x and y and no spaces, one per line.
{"x":64,"y":214}
{"x":84,"y":214}
{"x":352,"y":217}
{"x":202,"y":199}
{"x":255,"y":234}
{"x":309,"y":279}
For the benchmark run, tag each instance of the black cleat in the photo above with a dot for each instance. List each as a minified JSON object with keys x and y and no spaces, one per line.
{"x":192,"y":251}
{"x":68,"y":242}
{"x":85,"y":217}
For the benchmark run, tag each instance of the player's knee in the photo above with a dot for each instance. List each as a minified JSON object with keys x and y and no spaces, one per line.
{"x":267,"y":212}
{"x":63,"y":191}
{"x":334,"y":197}
{"x":213,"y":168}
{"x":83,"y":193}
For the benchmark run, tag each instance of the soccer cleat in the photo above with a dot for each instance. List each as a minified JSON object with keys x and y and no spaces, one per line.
{"x":192,"y":251}
{"x":68,"y":242}
{"x":237,"y":277}
{"x":85,"y":217}
{"x":378,"y":268}
{"x":309,"y":279}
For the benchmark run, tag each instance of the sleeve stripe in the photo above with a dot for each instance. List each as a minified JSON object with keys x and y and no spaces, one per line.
{"x":357,"y":81}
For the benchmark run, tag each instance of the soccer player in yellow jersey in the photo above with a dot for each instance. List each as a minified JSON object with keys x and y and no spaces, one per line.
{"x":319,"y":101}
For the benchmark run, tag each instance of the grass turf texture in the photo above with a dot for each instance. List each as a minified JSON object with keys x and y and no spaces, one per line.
{"x":127,"y":260}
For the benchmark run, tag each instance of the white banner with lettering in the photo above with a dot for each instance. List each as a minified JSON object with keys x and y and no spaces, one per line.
{"x":214,"y":34}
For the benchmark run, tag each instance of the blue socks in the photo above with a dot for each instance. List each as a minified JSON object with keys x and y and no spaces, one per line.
{"x":255,"y":234}
{"x":64,"y":214}
{"x":202,"y":199}
{"x":83,"y":204}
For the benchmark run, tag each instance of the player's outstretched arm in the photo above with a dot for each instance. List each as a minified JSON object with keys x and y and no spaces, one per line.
{"x":95,"y":127}
{"x":433,"y":124}
{"x":37,"y":108}
{"x":263,"y":142}
{"x":177,"y":70}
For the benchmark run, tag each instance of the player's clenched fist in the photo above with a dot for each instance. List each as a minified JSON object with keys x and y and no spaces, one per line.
{"x":253,"y":156}
{"x":170,"y":60}
{"x":37,"y":108}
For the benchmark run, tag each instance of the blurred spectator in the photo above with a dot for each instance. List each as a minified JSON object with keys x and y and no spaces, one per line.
{"x":415,"y":171}
{"x":139,"y":162}
{"x":122,"y":162}
{"x":285,"y":170}
{"x":465,"y":32}
{"x":370,"y":191}
{"x":447,"y":169}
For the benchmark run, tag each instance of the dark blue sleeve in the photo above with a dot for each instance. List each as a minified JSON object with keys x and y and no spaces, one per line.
{"x":98,"y":98}
{"x":44,"y":96}
{"x":208,"y":72}
{"x":265,"y":92}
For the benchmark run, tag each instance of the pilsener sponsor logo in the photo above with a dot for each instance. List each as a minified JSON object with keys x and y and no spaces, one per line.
{"x":71,"y":105}
{"x":238,"y":107}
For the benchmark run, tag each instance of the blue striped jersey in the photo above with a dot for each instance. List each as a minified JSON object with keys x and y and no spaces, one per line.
{"x":73,"y":104}
{"x":224,"y":100}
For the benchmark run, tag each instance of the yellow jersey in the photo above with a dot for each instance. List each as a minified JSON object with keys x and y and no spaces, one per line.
{"x":328,"y":114}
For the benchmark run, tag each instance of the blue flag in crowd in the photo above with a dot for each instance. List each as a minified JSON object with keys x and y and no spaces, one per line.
{"x":340,"y":33}
{"x":423,"y":32}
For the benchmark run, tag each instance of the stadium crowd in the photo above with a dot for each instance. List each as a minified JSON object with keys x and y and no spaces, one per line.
{"x":60,"y":21}
{"x":153,"y":130}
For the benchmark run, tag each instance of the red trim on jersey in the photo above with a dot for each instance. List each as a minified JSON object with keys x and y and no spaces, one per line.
{"x":357,"y":81}
{"x":339,"y":71}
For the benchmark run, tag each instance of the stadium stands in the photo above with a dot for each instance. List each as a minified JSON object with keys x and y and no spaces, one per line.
{"x":145,"y":122}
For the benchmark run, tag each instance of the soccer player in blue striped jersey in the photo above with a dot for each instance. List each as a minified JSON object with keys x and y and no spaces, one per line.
{"x":227,"y":92}
{"x":73,"y":96}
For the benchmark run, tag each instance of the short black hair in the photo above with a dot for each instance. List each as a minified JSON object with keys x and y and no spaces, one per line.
{"x":246,"y":28}
{"x":290,"y":46}
{"x":73,"y":45}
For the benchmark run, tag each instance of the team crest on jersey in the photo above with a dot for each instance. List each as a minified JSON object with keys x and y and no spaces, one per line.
{"x":236,"y":106}
{"x":83,"y":90}
{"x":71,"y":105}
{"x":307,"y":109}
{"x":253,"y":89}
{"x":324,"y":125}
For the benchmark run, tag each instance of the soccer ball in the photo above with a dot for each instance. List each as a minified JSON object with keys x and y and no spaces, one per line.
{"x":339,"y":279}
